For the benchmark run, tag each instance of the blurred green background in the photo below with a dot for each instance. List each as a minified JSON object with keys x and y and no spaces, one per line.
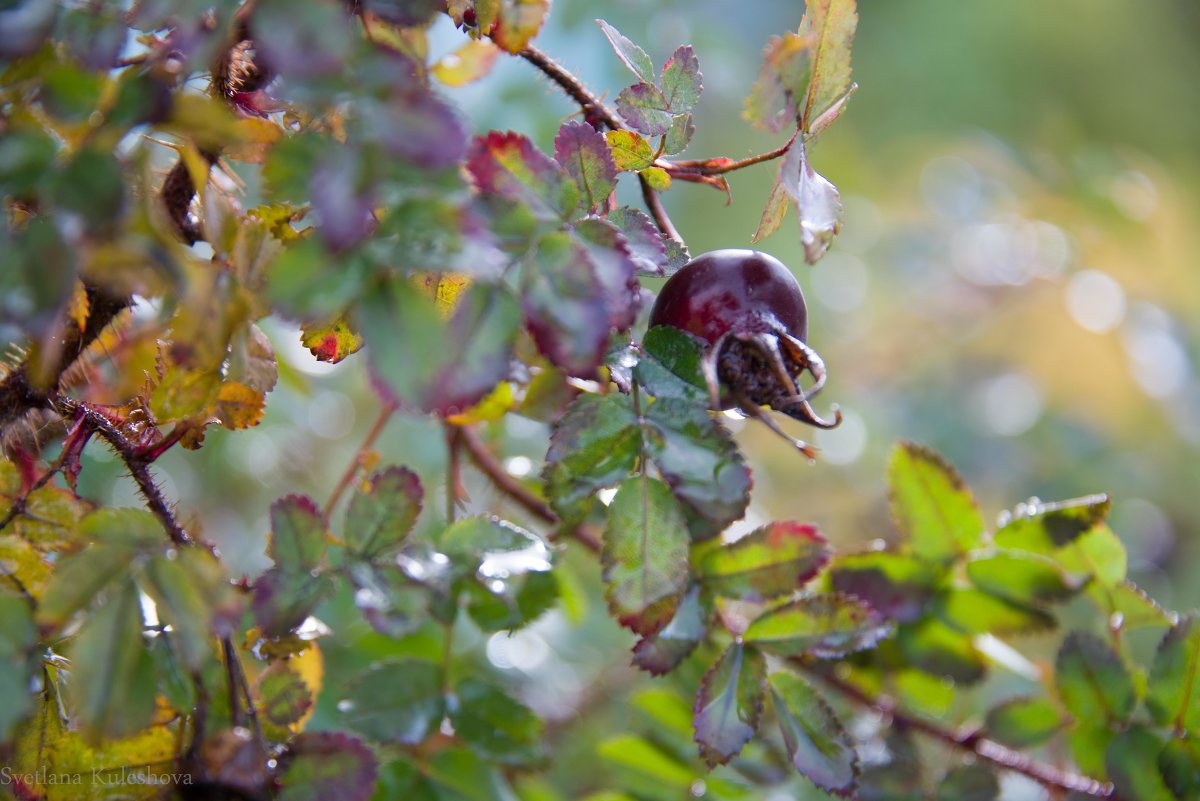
{"x":1017,"y":284}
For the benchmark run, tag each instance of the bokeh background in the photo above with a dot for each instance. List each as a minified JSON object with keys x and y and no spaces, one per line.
{"x":1017,"y":284}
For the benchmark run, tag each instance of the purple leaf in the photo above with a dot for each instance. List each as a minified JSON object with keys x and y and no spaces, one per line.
{"x":419,"y":127}
{"x":327,"y":766}
{"x":564,"y":307}
{"x":729,"y":704}
{"x":681,"y":80}
{"x":643,"y":239}
{"x":510,"y":166}
{"x":582,"y":151}
{"x":662,"y":652}
{"x":616,"y":272}
{"x":645,"y":108}
{"x":817,"y":743}
{"x":342,"y":199}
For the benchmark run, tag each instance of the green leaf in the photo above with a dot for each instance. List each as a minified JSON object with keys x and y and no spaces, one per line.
{"x":645,"y":108}
{"x":500,"y":605}
{"x":1043,"y":527}
{"x":776,"y":208}
{"x":633,"y":56}
{"x":327,"y":766}
{"x":193,"y":596}
{"x":975,"y":612}
{"x":645,"y":555}
{"x":700,"y":462}
{"x":17,"y":638}
{"x":495,"y":548}
{"x":392,"y":601}
{"x":670,"y":365}
{"x":1127,"y":606}
{"x":112,"y":682}
{"x":772,"y":560}
{"x":595,"y":444}
{"x":899,"y":779}
{"x":729,"y":704}
{"x":974,"y":782}
{"x":630,"y":151}
{"x":582,"y":151}
{"x":646,"y":763}
{"x":1092,"y":681}
{"x":662,"y":651}
{"x":681,"y":80}
{"x":79,"y":578}
{"x":1172,"y":692}
{"x":939,"y":650}
{"x":381,"y":514}
{"x":509,"y":166}
{"x":1179,"y":764}
{"x":400,"y":778}
{"x":298,"y":538}
{"x":824,"y":626}
{"x":1132,"y":759}
{"x":1088,"y":746}
{"x":460,"y":775}
{"x":817,"y":743}
{"x":896,"y":585}
{"x":931,"y":505}
{"x":399,"y":701}
{"x":679,"y":135}
{"x":830,"y":26}
{"x":494,"y":726}
{"x":92,"y":186}
{"x":782,"y":85}
{"x":284,"y":697}
{"x":474,"y":345}
{"x":1023,"y":578}
{"x":1098,"y":553}
{"x":1023,"y":722}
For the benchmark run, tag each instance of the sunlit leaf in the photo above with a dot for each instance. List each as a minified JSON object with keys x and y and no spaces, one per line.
{"x":824,"y":626}
{"x":772,"y":560}
{"x":896,"y":585}
{"x":382,"y":512}
{"x":1023,"y":722}
{"x":633,"y":56}
{"x":399,"y":701}
{"x":817,"y":743}
{"x":931,"y":505}
{"x":641,"y":760}
{"x":327,"y":766}
{"x":468,"y":63}
{"x":782,"y":85}
{"x":583,"y":153}
{"x":1098,"y":553}
{"x":645,"y":554}
{"x":1092,"y":681}
{"x":1173,"y":696}
{"x":239,"y":406}
{"x":829,"y":25}
{"x":1127,"y":606}
{"x":493,"y":725}
{"x":664,"y":650}
{"x":331,"y":341}
{"x":976,"y":612}
{"x":630,"y":151}
{"x":939,"y":650}
{"x":1179,"y":763}
{"x":681,"y":80}
{"x":729,"y":704}
{"x":778,"y":202}
{"x":1023,"y":578}
{"x":1042,"y":528}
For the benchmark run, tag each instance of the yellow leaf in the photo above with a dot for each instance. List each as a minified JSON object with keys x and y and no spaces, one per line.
{"x":79,"y":308}
{"x":310,"y":667}
{"x":256,"y":137}
{"x":497,"y":403}
{"x":468,"y":63}
{"x":657,"y":177}
{"x":331,"y":341}
{"x":444,"y":288}
{"x":238,"y":406}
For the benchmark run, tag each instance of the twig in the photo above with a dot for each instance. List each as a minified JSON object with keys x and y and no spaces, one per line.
{"x":722,"y":166}
{"x":491,"y":467}
{"x":989,"y":750}
{"x":593,"y":108}
{"x":359,"y":456}
{"x":135,"y":461}
{"x":236,"y":675}
{"x":657,"y":211}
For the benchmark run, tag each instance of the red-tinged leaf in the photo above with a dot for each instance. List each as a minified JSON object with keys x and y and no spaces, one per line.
{"x":772,"y":560}
{"x":510,"y":166}
{"x":633,"y":56}
{"x":645,"y":555}
{"x":663,"y":651}
{"x":818,"y":204}
{"x":778,"y":94}
{"x":629,"y":150}
{"x":830,"y":26}
{"x":643,"y":239}
{"x":931,"y":504}
{"x":608,"y":253}
{"x":824,"y":626}
{"x":681,"y":80}
{"x":297,"y":540}
{"x":327,"y":766}
{"x":519,"y":22}
{"x":582,"y":151}
{"x":817,"y":743}
{"x":729,"y":704}
{"x":778,"y":203}
{"x":474,"y":345}
{"x":644,"y":106}
{"x":382,"y":513}
{"x":331,"y":341}
{"x":467,"y":64}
